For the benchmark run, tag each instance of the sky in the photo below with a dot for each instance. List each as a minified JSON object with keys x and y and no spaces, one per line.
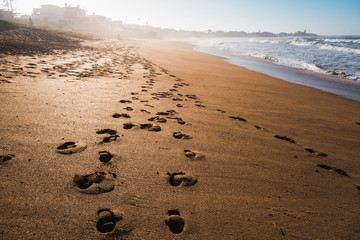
{"x":325,"y":17}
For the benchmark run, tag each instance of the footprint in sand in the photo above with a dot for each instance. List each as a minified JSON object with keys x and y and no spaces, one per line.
{"x":194,"y":155}
{"x":106,"y":221}
{"x":145,"y":111}
{"x":128,"y":109}
{"x":191,"y":96}
{"x":179,"y":135}
{"x":333,"y":169}
{"x":200,"y":105}
{"x":32,"y":64}
{"x":260,"y":128}
{"x":121,"y":115}
{"x":125,"y":101}
{"x":159,"y":95}
{"x":158,"y":119}
{"x":71,"y":147}
{"x":107,"y":130}
{"x":105,"y":156}
{"x":95,"y":183}
{"x":6,"y":81}
{"x":108,"y":139}
{"x":179,"y":105}
{"x":181,"y":178}
{"x":219,"y":110}
{"x":285,"y":138}
{"x":5,"y":158}
{"x":150,"y":127}
{"x":113,"y":135}
{"x":145,"y":126}
{"x":175,"y":222}
{"x":167,"y":113}
{"x":113,"y":223}
{"x":316,"y":153}
{"x":179,"y":120}
{"x":238,"y":118}
{"x":128,"y":126}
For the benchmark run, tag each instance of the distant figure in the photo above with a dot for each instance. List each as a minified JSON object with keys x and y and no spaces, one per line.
{"x":30,"y":21}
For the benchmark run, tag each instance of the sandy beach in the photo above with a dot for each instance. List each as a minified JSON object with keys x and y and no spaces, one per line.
{"x":149,"y":139}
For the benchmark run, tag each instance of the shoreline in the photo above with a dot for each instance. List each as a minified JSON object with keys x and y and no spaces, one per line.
{"x":343,"y":87}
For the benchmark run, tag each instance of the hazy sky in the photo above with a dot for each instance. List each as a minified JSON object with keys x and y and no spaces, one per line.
{"x":333,"y":17}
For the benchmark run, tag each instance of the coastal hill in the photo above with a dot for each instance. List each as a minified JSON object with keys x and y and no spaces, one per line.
{"x":19,"y":39}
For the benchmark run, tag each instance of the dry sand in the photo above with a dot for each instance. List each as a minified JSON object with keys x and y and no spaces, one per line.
{"x":80,"y":159}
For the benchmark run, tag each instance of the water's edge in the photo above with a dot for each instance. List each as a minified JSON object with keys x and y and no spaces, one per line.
{"x":342,"y":87}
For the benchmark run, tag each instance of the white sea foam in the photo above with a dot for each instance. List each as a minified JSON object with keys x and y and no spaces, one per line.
{"x":257,"y":55}
{"x":297,"y":43}
{"x":291,"y":62}
{"x":271,"y":41}
{"x":338,"y":40}
{"x":340,"y":49}
{"x":325,"y":55}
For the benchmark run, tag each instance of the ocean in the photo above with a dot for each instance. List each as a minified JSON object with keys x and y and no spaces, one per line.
{"x":330,"y":64}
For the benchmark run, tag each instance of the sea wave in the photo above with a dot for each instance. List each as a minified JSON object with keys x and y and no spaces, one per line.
{"x":339,"y":40}
{"x":289,"y":62}
{"x":336,"y":56}
{"x":300,"y":64}
{"x":257,"y":55}
{"x":340,"y":49}
{"x":271,"y":41}
{"x":302,"y":43}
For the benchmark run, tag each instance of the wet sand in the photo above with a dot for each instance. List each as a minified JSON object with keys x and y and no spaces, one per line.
{"x":152,"y":140}
{"x":326,"y":82}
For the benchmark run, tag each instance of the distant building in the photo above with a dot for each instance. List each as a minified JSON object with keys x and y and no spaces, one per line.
{"x":96,"y":22}
{"x":69,"y":17}
{"x":6,"y":15}
{"x":51,"y":15}
{"x":118,"y":24}
{"x":303,"y":34}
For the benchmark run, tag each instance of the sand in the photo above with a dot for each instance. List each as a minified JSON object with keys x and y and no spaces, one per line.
{"x":152,"y":140}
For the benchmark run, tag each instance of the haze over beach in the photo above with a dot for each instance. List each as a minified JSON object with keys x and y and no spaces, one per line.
{"x":179,"y":119}
{"x":320,"y":17}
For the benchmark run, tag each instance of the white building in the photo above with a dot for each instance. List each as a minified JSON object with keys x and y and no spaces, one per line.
{"x":6,"y":15}
{"x":51,"y":15}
